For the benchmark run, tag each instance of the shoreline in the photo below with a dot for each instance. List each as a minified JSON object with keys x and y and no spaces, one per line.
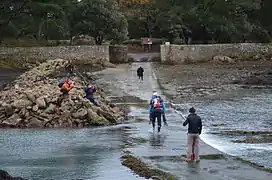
{"x":175,"y":98}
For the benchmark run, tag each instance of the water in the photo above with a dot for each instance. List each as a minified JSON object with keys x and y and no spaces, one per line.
{"x":248,"y":110}
{"x":65,"y":154}
{"x":95,"y":153}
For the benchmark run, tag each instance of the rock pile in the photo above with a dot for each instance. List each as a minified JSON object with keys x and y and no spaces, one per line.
{"x":32,"y":101}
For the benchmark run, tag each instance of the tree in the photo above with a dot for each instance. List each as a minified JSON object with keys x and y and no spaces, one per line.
{"x":102,"y":19}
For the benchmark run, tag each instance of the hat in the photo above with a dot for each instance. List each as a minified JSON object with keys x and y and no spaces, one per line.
{"x":155,"y":94}
{"x":192,"y":110}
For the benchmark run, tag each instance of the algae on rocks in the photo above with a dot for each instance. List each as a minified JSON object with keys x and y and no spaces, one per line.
{"x":32,"y":100}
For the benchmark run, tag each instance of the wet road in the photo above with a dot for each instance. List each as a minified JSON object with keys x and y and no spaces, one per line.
{"x":95,"y":153}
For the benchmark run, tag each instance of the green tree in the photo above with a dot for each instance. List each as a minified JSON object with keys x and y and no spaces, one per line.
{"x":102,"y":19}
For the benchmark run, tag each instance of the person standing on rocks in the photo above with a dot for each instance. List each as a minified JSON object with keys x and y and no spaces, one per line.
{"x":156,"y":110}
{"x":70,"y":69}
{"x":90,"y":90}
{"x":194,"y":130}
{"x":66,"y":86}
{"x":140,"y":73}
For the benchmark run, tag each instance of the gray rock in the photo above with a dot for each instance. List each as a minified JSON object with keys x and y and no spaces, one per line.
{"x":50,"y":109}
{"x":35,"y":123}
{"x":8,"y":109}
{"x":41,"y":103}
{"x":80,"y":114}
{"x":21,"y":103}
{"x":35,"y":108}
{"x":13,"y":120}
{"x":30,"y":96}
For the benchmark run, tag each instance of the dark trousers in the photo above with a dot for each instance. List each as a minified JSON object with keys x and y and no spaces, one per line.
{"x":141,"y":77}
{"x":156,"y":114}
{"x":92,"y":99}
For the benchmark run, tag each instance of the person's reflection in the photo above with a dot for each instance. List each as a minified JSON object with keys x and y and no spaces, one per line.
{"x":157,"y":140}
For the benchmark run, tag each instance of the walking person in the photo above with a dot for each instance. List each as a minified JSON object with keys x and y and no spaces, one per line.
{"x":140,"y":73}
{"x":156,"y":109}
{"x":194,"y":130}
{"x":154,"y":96}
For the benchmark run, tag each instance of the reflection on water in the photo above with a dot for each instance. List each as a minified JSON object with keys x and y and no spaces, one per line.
{"x":157,"y":140}
{"x":65,"y":154}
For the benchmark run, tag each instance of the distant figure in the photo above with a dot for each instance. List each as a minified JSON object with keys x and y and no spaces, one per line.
{"x":69,"y":69}
{"x":194,"y":130}
{"x":140,"y":73}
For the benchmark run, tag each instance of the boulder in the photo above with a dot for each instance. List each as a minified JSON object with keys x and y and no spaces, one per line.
{"x":109,"y":116}
{"x":35,"y":123}
{"x":80,"y":114}
{"x":12,"y":121}
{"x":30,"y":97}
{"x":21,"y":103}
{"x":35,"y":108}
{"x":8,"y":109}
{"x":50,"y":109}
{"x":41,"y":102}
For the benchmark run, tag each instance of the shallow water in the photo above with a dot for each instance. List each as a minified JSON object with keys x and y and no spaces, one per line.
{"x":65,"y":154}
{"x":95,"y":153}
{"x":245,"y":110}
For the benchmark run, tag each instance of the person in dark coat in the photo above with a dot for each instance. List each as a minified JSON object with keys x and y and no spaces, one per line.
{"x":90,"y":90}
{"x":194,"y":130}
{"x":140,"y":73}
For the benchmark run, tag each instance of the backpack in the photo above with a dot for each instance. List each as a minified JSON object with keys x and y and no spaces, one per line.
{"x":61,"y":83}
{"x":157,"y":103}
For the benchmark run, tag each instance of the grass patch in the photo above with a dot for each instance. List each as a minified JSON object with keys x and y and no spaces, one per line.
{"x":143,"y":170}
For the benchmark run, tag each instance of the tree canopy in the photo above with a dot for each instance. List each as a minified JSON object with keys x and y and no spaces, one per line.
{"x":221,"y":21}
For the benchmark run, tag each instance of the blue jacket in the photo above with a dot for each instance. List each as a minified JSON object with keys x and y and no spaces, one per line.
{"x":151,"y":105}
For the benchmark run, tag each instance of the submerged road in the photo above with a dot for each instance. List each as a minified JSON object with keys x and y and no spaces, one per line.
{"x":95,"y":153}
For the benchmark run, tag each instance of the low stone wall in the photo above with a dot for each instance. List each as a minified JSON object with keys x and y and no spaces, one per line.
{"x":197,"y":53}
{"x":118,"y":54}
{"x":64,"y":52}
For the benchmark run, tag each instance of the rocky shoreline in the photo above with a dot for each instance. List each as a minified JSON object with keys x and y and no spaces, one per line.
{"x":31,"y":101}
{"x":205,"y":81}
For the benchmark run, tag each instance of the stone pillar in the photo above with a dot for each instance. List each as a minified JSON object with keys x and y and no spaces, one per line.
{"x":118,"y":54}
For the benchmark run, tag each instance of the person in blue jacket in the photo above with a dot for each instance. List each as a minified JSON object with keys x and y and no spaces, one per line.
{"x":155,"y":94}
{"x":156,"y":109}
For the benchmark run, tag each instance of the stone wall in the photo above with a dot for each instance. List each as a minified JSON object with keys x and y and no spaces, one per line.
{"x":182,"y":53}
{"x":118,"y":54}
{"x":64,"y":52}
